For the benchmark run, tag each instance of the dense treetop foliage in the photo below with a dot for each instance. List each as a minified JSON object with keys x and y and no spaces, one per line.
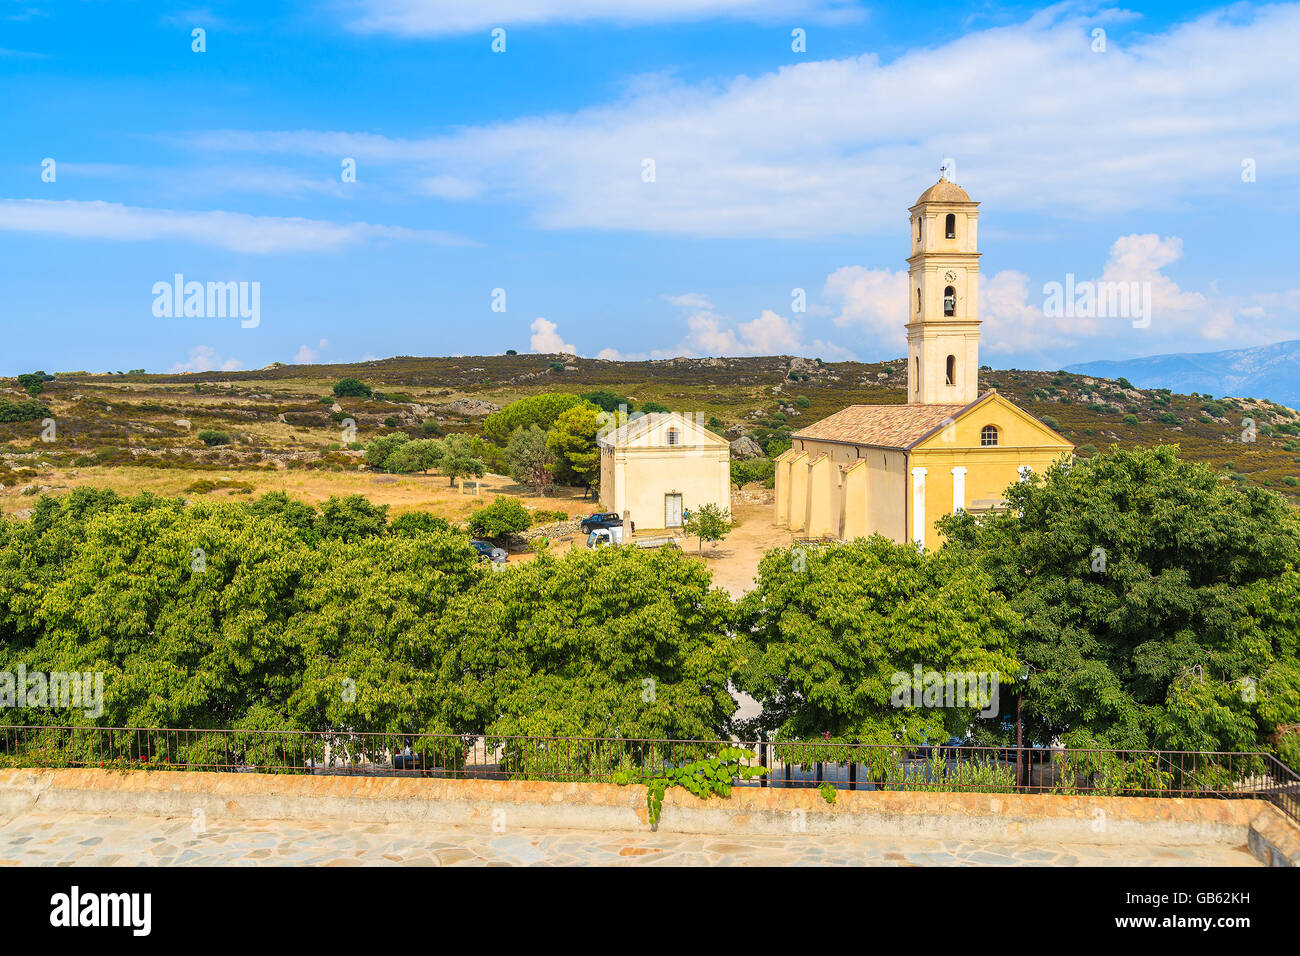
{"x":1161,"y":604}
{"x":1132,"y":600}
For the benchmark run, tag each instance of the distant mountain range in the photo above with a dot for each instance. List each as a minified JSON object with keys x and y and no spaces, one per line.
{"x":1268,"y":371}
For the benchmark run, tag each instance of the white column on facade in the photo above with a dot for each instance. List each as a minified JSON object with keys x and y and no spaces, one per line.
{"x":918,"y":505}
{"x":958,"y":490}
{"x":1025,"y":472}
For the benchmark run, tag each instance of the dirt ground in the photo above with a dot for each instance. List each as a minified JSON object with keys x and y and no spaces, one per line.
{"x":401,"y":493}
{"x":733,"y":561}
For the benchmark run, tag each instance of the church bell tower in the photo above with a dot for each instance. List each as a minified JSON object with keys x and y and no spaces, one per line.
{"x":943,"y":320}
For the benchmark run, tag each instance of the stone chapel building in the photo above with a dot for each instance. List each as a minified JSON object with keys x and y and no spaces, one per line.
{"x":896,"y":469}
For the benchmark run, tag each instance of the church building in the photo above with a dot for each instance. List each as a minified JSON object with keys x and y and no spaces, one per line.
{"x":896,"y":469}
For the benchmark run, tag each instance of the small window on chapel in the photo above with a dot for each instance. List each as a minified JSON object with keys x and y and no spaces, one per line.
{"x":918,"y":300}
{"x":952,"y":370}
{"x":949,"y":301}
{"x":950,"y":226}
{"x":673,"y":436}
{"x":989,"y":435}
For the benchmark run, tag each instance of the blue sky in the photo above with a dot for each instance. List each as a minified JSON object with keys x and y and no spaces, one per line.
{"x":522,"y":170}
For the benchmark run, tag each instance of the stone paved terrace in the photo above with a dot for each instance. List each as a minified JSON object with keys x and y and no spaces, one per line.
{"x":87,"y":839}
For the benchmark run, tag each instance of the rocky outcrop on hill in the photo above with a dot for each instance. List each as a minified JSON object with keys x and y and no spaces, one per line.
{"x":746,"y":447}
{"x":469,"y":408}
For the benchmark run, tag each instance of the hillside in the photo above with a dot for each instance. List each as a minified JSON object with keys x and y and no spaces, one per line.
{"x":1270,"y":371}
{"x":283,"y":419}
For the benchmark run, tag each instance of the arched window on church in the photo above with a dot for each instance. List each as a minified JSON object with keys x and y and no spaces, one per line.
{"x":949,"y":301}
{"x":950,"y":226}
{"x":989,"y":435}
{"x":916,"y":369}
{"x":918,"y":301}
{"x":952,"y":370}
{"x":919,"y":223}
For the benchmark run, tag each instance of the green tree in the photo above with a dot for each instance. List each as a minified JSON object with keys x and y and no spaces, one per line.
{"x":420,"y":455}
{"x":607,"y":401}
{"x":1160,"y":602}
{"x":211,"y":437}
{"x":829,"y":628}
{"x":351,"y":518}
{"x":370,"y":617}
{"x":352,"y":388}
{"x":462,"y":455}
{"x":620,"y":642}
{"x":709,"y":522}
{"x":540,"y":410}
{"x":572,"y":440}
{"x":381,"y":449}
{"x":504,"y":516}
{"x":743,"y":471}
{"x":530,"y":458}
{"x":298,"y":515}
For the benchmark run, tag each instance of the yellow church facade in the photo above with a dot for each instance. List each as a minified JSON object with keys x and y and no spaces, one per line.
{"x":896,"y":469}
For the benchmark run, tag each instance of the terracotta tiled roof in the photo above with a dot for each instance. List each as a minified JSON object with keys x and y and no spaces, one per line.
{"x":888,"y":426}
{"x":943,"y":191}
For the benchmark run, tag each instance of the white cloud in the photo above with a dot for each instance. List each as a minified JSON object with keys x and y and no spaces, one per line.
{"x":238,"y":232}
{"x":874,"y":304}
{"x":436,"y":17}
{"x":710,"y":333}
{"x":689,"y":300}
{"x":831,"y":147}
{"x":1181,"y":320}
{"x":546,"y":339}
{"x":204,"y":358}
{"x":308,"y":355}
{"x":874,"y":300}
{"x":449,"y":187}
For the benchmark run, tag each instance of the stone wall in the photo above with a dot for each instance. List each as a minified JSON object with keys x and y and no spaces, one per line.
{"x":1017,"y":818}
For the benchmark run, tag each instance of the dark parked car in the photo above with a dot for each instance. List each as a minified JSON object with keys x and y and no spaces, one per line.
{"x":489,"y":551}
{"x":602,"y":519}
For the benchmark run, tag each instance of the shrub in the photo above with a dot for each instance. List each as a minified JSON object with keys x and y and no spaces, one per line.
{"x":352,"y":388}
{"x":22,"y":411}
{"x":802,"y":401}
{"x":211,"y":437}
{"x":504,"y":516}
{"x":1130,"y":419}
{"x":754,"y":469}
{"x":417,"y":522}
{"x":34,"y":382}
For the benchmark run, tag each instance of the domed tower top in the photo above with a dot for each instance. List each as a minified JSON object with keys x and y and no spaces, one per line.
{"x":943,"y":191}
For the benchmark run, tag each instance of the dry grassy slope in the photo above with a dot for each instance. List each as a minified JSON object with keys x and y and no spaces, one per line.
{"x":110,"y":420}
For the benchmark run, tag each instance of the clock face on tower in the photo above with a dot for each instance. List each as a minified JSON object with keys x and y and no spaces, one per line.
{"x":950,"y":276}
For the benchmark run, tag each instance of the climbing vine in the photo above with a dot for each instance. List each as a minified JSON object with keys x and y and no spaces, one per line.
{"x":704,"y":778}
